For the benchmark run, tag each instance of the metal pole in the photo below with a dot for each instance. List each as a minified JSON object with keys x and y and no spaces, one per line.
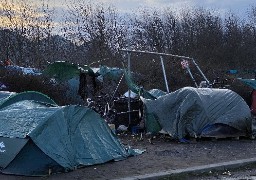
{"x":113,"y":96}
{"x":192,"y":77}
{"x":198,"y":68}
{"x":163,"y":68}
{"x":129,"y":91}
{"x":172,"y":55}
{"x":161,"y":54}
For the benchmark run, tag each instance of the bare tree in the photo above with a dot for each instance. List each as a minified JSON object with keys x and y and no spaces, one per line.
{"x":172,"y":32}
{"x":41,"y":32}
{"x":94,"y":29}
{"x":232,"y":41}
{"x":15,"y":17}
{"x":149,"y":31}
{"x":27,"y":27}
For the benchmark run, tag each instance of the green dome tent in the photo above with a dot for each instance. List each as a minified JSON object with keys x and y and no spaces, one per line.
{"x":38,"y":137}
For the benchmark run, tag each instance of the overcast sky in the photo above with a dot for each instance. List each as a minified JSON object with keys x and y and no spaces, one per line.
{"x":237,"y":6}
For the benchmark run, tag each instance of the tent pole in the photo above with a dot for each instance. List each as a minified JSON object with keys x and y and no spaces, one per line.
{"x":165,"y":79}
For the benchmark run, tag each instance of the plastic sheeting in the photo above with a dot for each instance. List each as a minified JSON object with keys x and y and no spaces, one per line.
{"x":188,"y":111}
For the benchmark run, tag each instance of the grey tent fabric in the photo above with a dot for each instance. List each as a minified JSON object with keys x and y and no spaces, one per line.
{"x":157,"y":92}
{"x":188,"y":111}
{"x":36,"y":136}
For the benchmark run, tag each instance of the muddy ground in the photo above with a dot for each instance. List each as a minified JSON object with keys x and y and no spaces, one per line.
{"x":160,"y":155}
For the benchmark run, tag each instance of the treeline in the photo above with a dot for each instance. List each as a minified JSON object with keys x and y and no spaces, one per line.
{"x":90,"y":33}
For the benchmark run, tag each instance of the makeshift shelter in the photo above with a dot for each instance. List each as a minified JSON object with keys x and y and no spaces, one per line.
{"x":198,"y":112}
{"x":62,"y":71}
{"x":251,"y":83}
{"x":38,"y":137}
{"x":84,"y":80}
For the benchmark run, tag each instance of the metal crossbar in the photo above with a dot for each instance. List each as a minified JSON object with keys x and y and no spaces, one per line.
{"x":171,"y":55}
{"x":163,"y":69}
{"x":156,"y":53}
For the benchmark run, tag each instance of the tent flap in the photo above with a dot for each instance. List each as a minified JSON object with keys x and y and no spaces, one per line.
{"x":9,"y":148}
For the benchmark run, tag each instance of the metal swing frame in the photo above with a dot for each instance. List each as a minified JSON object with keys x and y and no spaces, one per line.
{"x":161,"y":55}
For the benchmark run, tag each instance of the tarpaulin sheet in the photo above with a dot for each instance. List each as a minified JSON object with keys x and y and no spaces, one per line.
{"x":188,"y":111}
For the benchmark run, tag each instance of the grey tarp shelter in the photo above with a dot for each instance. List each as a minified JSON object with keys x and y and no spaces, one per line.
{"x":38,"y":137}
{"x":198,"y":112}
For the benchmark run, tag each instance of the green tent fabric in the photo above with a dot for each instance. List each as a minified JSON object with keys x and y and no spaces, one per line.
{"x":190,"y":111}
{"x":9,"y":98}
{"x":36,"y":137}
{"x":5,"y":94}
{"x":151,"y":122}
{"x":62,"y":70}
{"x":136,"y":89}
{"x":249,"y":82}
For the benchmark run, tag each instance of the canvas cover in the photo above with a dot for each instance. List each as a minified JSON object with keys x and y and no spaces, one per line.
{"x":36,"y":134}
{"x":197,"y":111}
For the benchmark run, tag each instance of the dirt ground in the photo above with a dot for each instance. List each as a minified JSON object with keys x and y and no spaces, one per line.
{"x":160,"y":155}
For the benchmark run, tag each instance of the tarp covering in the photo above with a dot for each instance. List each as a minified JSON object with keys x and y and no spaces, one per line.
{"x":191,"y":111}
{"x":111,"y":72}
{"x":136,"y":89}
{"x":157,"y":92}
{"x":249,"y":82}
{"x":62,"y":70}
{"x":61,"y":136}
